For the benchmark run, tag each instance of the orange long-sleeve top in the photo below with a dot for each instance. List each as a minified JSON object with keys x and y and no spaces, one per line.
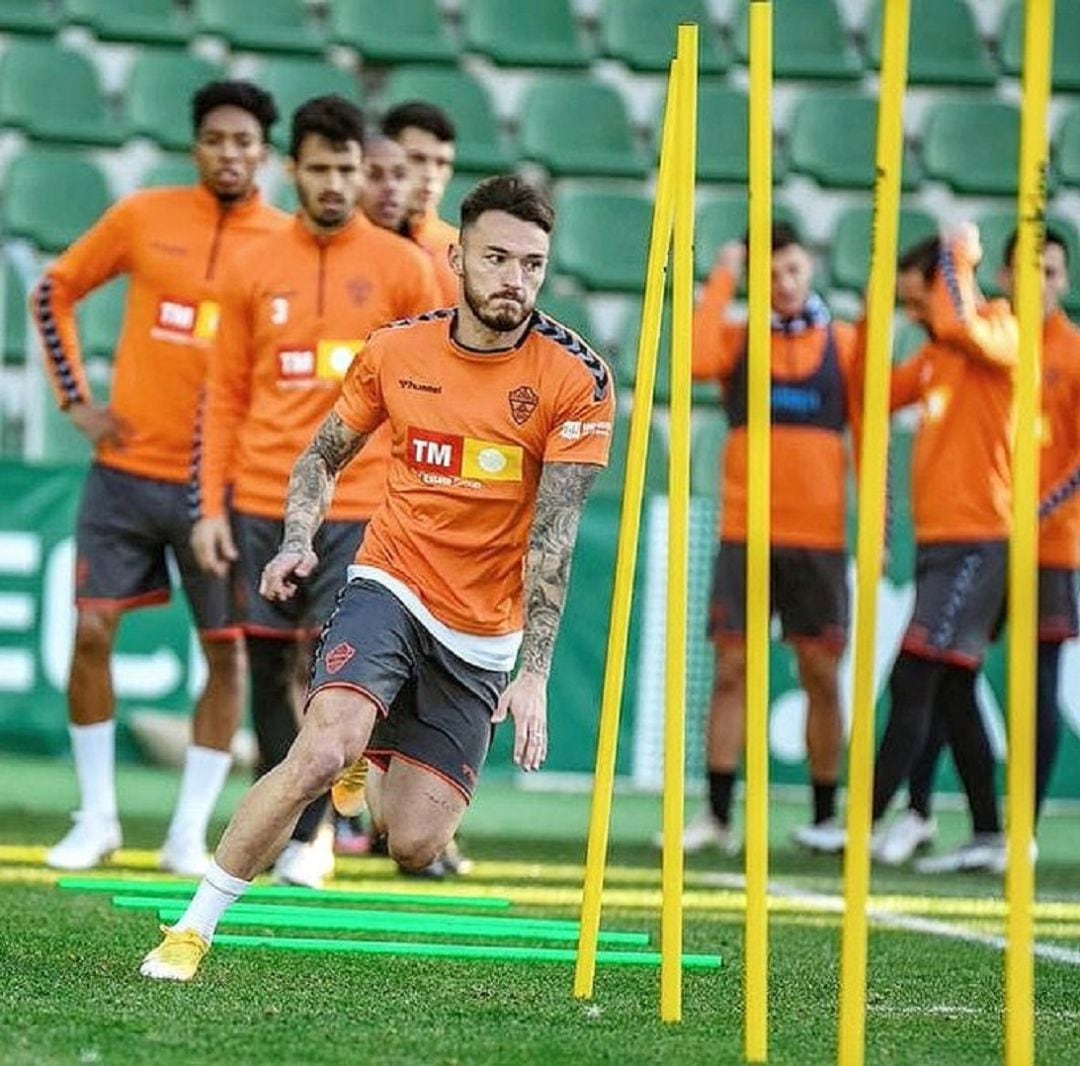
{"x":177,"y":245}
{"x":435,"y":236}
{"x":1059,"y":532}
{"x":295,"y":314}
{"x":962,"y":380}
{"x":808,"y":462}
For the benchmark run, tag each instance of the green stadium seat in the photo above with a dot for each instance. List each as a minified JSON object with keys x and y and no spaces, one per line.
{"x":809,"y":41}
{"x":284,"y":198}
{"x":1067,"y":147}
{"x":973,"y":145}
{"x":294,"y":80}
{"x":995,"y":228}
{"x":642,"y":34}
{"x":479,"y":145}
{"x":271,"y":26}
{"x":50,"y":198}
{"x":53,"y":94}
{"x":945,"y":47}
{"x":100,"y":317}
{"x":571,"y":125}
{"x":602,"y":238}
{"x":908,"y":338}
{"x":1066,"y":60}
{"x":148,"y":22}
{"x":27,"y":16}
{"x":831,"y":138}
{"x":514,"y":34}
{"x":849,"y":249}
{"x":14,"y":314}
{"x":609,"y":482}
{"x":169,"y":170}
{"x":456,"y":191}
{"x":725,"y":219}
{"x":159,"y":92}
{"x":570,"y":311}
{"x":708,"y":432}
{"x":406,"y":31}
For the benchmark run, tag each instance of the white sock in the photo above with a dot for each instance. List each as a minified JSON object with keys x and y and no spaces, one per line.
{"x":94,"y":749}
{"x":212,"y":898}
{"x":205,"y":770}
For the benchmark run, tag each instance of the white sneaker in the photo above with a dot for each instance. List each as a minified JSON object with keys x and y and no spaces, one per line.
{"x":307,"y":864}
{"x":1000,"y":866}
{"x":705,"y":831}
{"x":827,"y":838}
{"x":907,"y":835}
{"x":984,"y":851}
{"x":88,"y":843}
{"x":187,"y":858}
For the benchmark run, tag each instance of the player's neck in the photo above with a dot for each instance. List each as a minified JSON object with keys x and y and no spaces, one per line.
{"x":471,"y":333}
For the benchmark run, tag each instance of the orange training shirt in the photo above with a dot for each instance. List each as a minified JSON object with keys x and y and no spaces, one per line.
{"x":808,"y":463}
{"x":296,"y":313}
{"x":435,"y":236}
{"x":177,"y":245}
{"x":963,"y":381}
{"x":1059,"y":532}
{"x":471,"y":431}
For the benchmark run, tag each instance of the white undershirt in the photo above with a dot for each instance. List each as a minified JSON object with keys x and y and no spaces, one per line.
{"x":488,"y":653}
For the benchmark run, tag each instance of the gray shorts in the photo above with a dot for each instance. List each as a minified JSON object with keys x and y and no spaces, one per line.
{"x":808,"y":590}
{"x":257,"y":541}
{"x":436,"y":708}
{"x":1057,"y":604}
{"x":959,"y":601}
{"x":126,"y":528}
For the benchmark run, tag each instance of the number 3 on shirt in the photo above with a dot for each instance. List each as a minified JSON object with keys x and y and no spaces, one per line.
{"x":279,"y":311}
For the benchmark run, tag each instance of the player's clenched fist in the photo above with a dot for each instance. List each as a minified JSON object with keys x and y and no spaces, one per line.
{"x":281,"y":576}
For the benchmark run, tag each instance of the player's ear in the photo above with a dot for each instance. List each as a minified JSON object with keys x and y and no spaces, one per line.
{"x":454,"y":257}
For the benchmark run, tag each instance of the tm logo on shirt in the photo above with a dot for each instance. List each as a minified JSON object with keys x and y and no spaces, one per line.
{"x":444,"y":458}
{"x":185,"y":322}
{"x":327,"y":361}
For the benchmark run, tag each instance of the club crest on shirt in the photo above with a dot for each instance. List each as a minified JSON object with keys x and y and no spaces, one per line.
{"x":523,"y":401}
{"x":338,"y":656}
{"x":359,"y":289}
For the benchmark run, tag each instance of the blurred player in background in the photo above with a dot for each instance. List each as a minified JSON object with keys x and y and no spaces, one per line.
{"x":504,"y":424}
{"x":294,"y":316}
{"x":1059,"y":557}
{"x":811,"y":358}
{"x":427,"y":135}
{"x":176,"y":245}
{"x":961,"y":489}
{"x":384,"y":193}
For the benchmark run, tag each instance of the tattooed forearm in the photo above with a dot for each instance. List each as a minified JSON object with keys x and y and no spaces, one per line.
{"x":559,"y":502}
{"x":311,"y":485}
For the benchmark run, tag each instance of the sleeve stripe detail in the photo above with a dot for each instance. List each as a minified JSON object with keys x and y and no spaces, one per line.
{"x":194,"y":488}
{"x":568,"y":339}
{"x":58,"y":361}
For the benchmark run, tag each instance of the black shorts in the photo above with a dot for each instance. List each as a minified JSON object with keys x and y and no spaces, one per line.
{"x":436,"y":708}
{"x":257,"y":541}
{"x":959,"y":600}
{"x":1057,"y":604}
{"x":807,"y":588}
{"x":126,"y":529}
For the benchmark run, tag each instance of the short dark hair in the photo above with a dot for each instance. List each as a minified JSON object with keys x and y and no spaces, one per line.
{"x":423,"y":116}
{"x":242,"y":94}
{"x":784,"y":235}
{"x":925,"y":257}
{"x":509,"y":193}
{"x":332,"y":117}
{"x":1053,"y":236}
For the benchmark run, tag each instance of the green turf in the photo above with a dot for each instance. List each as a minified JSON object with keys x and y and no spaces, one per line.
{"x":69,"y":992}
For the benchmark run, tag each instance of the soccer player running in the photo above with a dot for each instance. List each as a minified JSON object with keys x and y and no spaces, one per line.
{"x":427,"y":135}
{"x":176,"y":245}
{"x":294,"y":316}
{"x":500,"y":420}
{"x":1059,"y":560}
{"x":811,"y":359}
{"x":962,"y":379}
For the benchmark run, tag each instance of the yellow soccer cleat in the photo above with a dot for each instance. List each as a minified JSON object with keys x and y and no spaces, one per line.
{"x":177,"y":957}
{"x":347,"y":792}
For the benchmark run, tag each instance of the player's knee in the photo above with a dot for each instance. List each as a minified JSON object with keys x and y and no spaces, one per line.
{"x":315,"y":764}
{"x":413,"y":849}
{"x":94,"y":634}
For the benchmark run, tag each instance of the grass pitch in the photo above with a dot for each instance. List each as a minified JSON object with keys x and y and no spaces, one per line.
{"x":70,"y":993}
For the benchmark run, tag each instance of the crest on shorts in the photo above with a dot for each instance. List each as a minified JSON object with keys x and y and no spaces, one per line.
{"x":523,"y":401}
{"x":338,"y":656}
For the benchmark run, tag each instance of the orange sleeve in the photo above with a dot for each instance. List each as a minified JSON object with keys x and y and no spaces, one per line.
{"x":360,"y":403}
{"x":716,"y":342}
{"x":227,"y":397}
{"x":582,"y":426}
{"x":987,"y":331}
{"x":905,"y":386}
{"x":98,"y":255}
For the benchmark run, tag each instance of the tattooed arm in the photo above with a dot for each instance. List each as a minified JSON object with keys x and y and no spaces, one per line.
{"x":311,"y":487}
{"x":559,"y":501}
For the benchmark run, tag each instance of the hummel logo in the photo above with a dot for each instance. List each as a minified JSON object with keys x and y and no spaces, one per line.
{"x":418,"y":386}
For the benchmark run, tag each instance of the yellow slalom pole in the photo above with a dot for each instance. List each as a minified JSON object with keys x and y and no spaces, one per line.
{"x":756,"y":940}
{"x":626,"y":556}
{"x":678,"y":568}
{"x":1020,"y":880}
{"x":871,"y":536}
